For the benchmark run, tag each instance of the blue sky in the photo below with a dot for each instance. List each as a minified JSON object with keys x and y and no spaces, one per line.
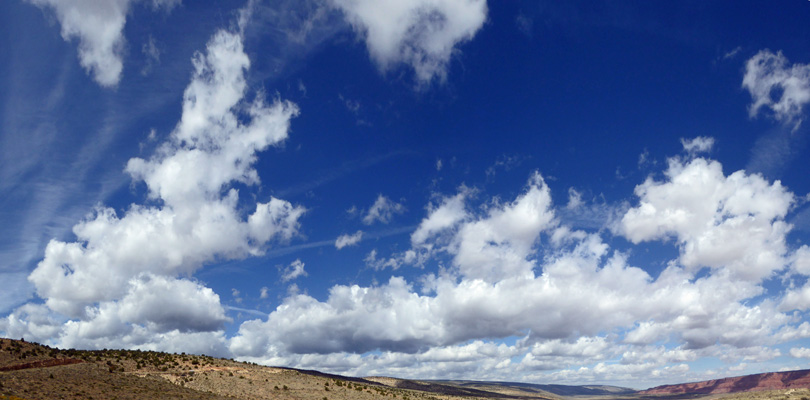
{"x":610,"y":192}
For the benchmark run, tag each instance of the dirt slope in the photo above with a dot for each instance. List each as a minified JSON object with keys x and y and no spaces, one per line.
{"x":31,"y":371}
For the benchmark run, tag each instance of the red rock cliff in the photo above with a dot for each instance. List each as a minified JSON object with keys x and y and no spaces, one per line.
{"x":766,"y":381}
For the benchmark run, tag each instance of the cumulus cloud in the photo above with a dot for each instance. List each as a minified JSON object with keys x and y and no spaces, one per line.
{"x":775,"y":84}
{"x":557,"y":353}
{"x":735,"y":222}
{"x":34,"y":321}
{"x":448,"y":214}
{"x":800,"y":261}
{"x":98,"y":26}
{"x":506,"y":268}
{"x":798,"y":298}
{"x":423,"y":34}
{"x":800,"y":352}
{"x":500,"y":245}
{"x":348,"y":240}
{"x":516,"y":271}
{"x":292,"y":271}
{"x":118,"y":283}
{"x":190,"y":174}
{"x":382,"y":211}
{"x":152,"y":306}
{"x":490,"y":252}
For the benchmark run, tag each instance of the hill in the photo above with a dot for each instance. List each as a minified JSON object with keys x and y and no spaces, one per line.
{"x":748,"y":383}
{"x":30,"y":371}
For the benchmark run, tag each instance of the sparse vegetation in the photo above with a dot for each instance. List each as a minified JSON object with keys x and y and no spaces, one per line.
{"x":29,"y":372}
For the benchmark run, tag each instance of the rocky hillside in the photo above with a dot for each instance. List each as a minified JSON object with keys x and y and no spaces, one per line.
{"x":30,"y":371}
{"x":748,"y":383}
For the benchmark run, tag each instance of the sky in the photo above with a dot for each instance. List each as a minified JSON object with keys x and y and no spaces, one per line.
{"x":609,"y":192}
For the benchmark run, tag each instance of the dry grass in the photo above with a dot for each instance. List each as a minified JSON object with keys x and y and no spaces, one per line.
{"x":122,"y":374}
{"x":786,"y":394}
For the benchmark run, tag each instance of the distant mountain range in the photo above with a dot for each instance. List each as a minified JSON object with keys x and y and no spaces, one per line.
{"x":560,"y":390}
{"x":748,"y":383}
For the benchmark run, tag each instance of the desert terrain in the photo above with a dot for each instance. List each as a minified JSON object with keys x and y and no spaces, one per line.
{"x":30,"y":371}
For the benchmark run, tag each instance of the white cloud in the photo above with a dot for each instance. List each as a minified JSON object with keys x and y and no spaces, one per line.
{"x":739,"y":367}
{"x":372,"y":261}
{"x":348,"y":240}
{"x":208,"y":150}
{"x":423,"y":34}
{"x":117,"y":285}
{"x":382,"y":210}
{"x":798,"y":298}
{"x":561,"y":303}
{"x":800,"y":261}
{"x":152,"y":305}
{"x":700,"y":144}
{"x":500,"y":245}
{"x":264,"y":292}
{"x":574,"y":199}
{"x":775,"y":84}
{"x":171,"y":304}
{"x":292,"y":271}
{"x":658,"y":355}
{"x":469,"y":309}
{"x":98,"y":25}
{"x":32,"y":321}
{"x":718,"y":221}
{"x":610,"y":372}
{"x":446,"y":215}
{"x":557,"y":353}
{"x":800,"y":352}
